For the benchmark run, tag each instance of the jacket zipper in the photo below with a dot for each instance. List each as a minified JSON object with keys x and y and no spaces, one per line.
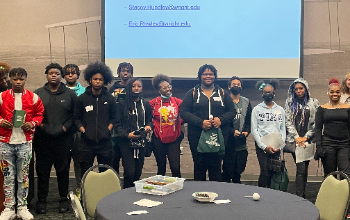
{"x":96,"y":118}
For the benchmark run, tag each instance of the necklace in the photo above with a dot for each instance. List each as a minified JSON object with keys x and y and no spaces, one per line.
{"x":334,"y":106}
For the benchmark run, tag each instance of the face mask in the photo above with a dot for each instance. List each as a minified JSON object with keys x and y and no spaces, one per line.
{"x":236,"y":90}
{"x":268,"y":97}
{"x":136,"y":95}
{"x":165,"y":97}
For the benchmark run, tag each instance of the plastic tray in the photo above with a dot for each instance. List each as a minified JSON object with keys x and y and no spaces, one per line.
{"x":174,"y":184}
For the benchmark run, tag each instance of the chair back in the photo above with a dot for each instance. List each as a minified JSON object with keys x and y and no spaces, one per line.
{"x":76,"y":205}
{"x":333,"y":197}
{"x":95,"y":186}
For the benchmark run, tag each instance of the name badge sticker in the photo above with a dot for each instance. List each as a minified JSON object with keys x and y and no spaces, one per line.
{"x":277,"y":112}
{"x":217,"y":99}
{"x":89,"y":108}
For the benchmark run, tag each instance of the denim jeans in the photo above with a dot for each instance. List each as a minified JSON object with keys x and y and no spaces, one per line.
{"x":15,"y":160}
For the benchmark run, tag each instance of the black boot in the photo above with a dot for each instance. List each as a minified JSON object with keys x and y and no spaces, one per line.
{"x":41,"y":206}
{"x":64,"y":205}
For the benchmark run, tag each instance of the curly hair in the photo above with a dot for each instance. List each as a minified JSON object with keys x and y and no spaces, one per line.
{"x":260,"y":85}
{"x":233,"y":78}
{"x":55,"y":66}
{"x":207,"y":66}
{"x":69,"y":66}
{"x":18,"y":72}
{"x":4,"y":69}
{"x":125,"y":65}
{"x":159,"y":78}
{"x":98,"y":67}
{"x":344,"y":87}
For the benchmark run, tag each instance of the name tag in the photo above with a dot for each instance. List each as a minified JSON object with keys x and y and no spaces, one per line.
{"x":89,"y":108}
{"x":217,"y":99}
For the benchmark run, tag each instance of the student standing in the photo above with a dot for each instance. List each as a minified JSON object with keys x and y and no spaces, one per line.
{"x":205,"y":106}
{"x":133,"y":114}
{"x":16,"y":142}
{"x":94,"y":116}
{"x":236,"y":152}
{"x":54,"y":138}
{"x":267,"y":118}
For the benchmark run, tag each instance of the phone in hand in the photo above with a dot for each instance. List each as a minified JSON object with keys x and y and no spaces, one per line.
{"x":138,"y":132}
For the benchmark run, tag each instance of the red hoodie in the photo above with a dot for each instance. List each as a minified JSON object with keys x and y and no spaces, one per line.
{"x":166,"y":114}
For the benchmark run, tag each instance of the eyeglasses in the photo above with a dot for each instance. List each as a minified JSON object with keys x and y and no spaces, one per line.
{"x":166,"y":87}
{"x":207,"y":74}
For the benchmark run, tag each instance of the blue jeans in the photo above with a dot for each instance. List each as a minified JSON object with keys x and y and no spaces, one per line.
{"x":15,"y":160}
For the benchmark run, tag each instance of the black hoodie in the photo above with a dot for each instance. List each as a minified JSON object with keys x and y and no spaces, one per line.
{"x":196,"y":107}
{"x":95,"y":113}
{"x":58,"y":112}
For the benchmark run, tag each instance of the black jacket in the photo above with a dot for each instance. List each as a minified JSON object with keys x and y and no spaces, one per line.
{"x":144,"y":118}
{"x":95,"y":113}
{"x":196,"y":107}
{"x":58,"y":112}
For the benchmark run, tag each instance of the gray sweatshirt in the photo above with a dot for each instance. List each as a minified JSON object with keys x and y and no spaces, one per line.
{"x":266,"y":121}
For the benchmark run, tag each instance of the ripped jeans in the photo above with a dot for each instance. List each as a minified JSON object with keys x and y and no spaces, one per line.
{"x":15,"y":160}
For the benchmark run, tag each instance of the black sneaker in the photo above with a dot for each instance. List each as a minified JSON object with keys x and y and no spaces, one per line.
{"x":64,"y":205}
{"x":41,"y":207}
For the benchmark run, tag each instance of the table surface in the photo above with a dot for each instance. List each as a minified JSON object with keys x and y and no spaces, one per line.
{"x":272,"y":205}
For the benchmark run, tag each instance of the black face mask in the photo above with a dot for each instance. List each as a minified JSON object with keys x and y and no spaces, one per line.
{"x":268,"y":97}
{"x":136,"y":95}
{"x":236,"y":90}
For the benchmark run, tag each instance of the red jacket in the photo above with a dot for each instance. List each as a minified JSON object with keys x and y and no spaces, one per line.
{"x":166,"y":121}
{"x":31,"y":103}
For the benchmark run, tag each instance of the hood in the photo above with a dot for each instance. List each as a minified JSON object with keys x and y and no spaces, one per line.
{"x":263,"y":105}
{"x":60,"y":89}
{"x":89,"y":91}
{"x":291,"y":87}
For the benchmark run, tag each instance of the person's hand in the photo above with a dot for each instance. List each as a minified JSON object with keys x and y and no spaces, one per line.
{"x":245,"y":133}
{"x":110,"y":126}
{"x":132,"y":136}
{"x":300,"y":141}
{"x":269,"y":150}
{"x":216,"y":122}
{"x":206,"y":124}
{"x":148,"y":129}
{"x":6,"y":124}
{"x":27,"y":126}
{"x":237,"y":133}
{"x":64,"y":129}
{"x":82,"y":129}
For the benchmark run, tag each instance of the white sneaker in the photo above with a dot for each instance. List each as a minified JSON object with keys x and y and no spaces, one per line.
{"x":23,"y":213}
{"x":8,"y":214}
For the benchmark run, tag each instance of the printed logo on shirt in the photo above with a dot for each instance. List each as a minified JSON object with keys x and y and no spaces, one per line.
{"x":168,"y":114}
{"x":270,"y":117}
{"x":105,"y":103}
{"x":63,"y":100}
{"x":217,"y":99}
{"x":89,"y":108}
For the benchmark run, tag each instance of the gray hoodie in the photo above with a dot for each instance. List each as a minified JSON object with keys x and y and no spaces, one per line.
{"x":311,"y":105}
{"x":266,"y":121}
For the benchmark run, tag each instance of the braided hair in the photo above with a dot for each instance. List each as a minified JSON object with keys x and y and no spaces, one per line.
{"x":125,"y":65}
{"x":70,"y":66}
{"x":128,"y":102}
{"x":294,"y":104}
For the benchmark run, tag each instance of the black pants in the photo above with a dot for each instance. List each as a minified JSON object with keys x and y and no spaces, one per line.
{"x":132,"y":161}
{"x":234,"y":164}
{"x":89,"y":150}
{"x":116,"y":154}
{"x":301,"y":176}
{"x":265,"y":174}
{"x":53,"y":151}
{"x":162,"y":150}
{"x":204,"y":162}
{"x":336,"y":158}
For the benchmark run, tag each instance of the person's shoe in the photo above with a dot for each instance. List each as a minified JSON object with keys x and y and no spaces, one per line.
{"x":23,"y":213}
{"x":41,"y":207}
{"x":8,"y":214}
{"x":64,"y":205}
{"x":78,"y":193}
{"x":348,"y":216}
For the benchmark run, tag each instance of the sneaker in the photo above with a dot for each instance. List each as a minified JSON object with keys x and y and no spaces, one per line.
{"x":8,"y":214}
{"x":23,"y":213}
{"x":64,"y":205}
{"x":78,"y":193}
{"x":348,"y":216}
{"x":41,"y":207}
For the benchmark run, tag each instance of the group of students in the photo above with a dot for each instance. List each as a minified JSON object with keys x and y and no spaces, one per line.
{"x":113,"y":124}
